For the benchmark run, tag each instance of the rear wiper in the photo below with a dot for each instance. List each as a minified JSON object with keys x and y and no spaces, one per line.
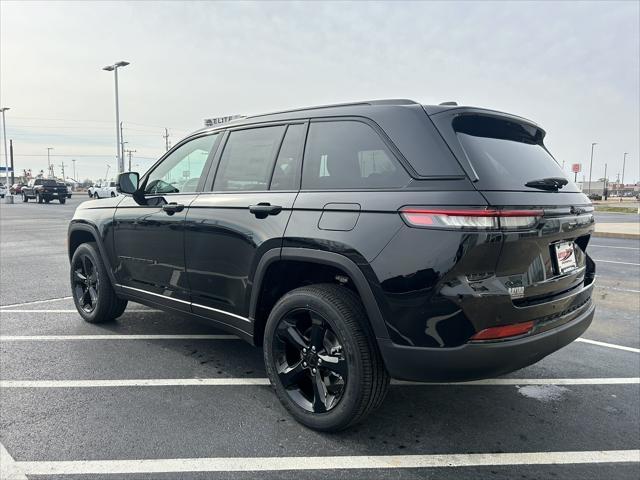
{"x":550,"y":183}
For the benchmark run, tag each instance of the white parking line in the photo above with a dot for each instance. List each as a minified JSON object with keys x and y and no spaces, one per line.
{"x":611,"y":246}
{"x":262,"y":464}
{"x":618,"y":289}
{"x":72,"y":311}
{"x":64,"y":338}
{"x":609,"y":345}
{"x":191,"y":382}
{"x":619,"y":263}
{"x":34,"y":302}
{"x":9,"y":469}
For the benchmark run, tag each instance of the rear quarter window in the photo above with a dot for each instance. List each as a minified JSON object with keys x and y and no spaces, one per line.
{"x":349,"y":154}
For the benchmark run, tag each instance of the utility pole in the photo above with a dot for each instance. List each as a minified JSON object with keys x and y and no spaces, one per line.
{"x":62,"y":166}
{"x":605,"y":194}
{"x":13,"y":177}
{"x":75,"y":179}
{"x":6,"y":158}
{"x":49,"y":166}
{"x":122,"y":142}
{"x":166,"y":139}
{"x":624,"y":161}
{"x":129,"y":152}
{"x":591,"y":166}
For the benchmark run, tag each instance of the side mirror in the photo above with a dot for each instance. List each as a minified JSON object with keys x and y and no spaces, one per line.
{"x":127,"y":182}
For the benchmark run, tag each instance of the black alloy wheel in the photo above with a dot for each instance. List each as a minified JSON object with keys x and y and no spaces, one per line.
{"x":322,"y":357}
{"x":93,"y":293}
{"x":310,"y":361}
{"x":85,"y":283}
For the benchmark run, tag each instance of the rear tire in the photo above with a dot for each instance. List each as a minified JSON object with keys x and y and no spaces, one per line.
{"x":25,"y":199}
{"x":348,"y":374}
{"x":63,"y":200}
{"x":93,"y":294}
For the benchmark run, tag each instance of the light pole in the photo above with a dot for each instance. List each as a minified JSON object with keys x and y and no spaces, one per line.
{"x":49,"y":161}
{"x":624,"y":161}
{"x":114,"y":68}
{"x":75,"y":179}
{"x":591,"y":166}
{"x":604,"y":189}
{"x":6,"y":155}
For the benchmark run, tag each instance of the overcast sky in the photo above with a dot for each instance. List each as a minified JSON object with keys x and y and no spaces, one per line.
{"x":572,"y":67}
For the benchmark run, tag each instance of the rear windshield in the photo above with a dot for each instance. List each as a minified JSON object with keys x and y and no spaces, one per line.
{"x":506,"y":154}
{"x":49,"y":183}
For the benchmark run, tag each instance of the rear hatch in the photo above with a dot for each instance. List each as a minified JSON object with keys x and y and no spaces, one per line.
{"x":54,"y":187}
{"x":543,"y":254}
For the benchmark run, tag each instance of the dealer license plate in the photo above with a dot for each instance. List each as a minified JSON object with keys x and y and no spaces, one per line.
{"x":566,"y":257}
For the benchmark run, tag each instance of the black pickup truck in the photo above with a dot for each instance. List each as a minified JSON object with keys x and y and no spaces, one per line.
{"x":44,"y":190}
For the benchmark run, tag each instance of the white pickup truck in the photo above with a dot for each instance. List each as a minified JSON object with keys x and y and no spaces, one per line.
{"x":103,"y":190}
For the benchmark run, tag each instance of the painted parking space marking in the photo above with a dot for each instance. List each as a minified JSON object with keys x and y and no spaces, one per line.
{"x":9,"y":469}
{"x":191,"y":382}
{"x":35,"y":302}
{"x":255,"y":464}
{"x":140,"y":310}
{"x":608,"y":345}
{"x":619,"y":263}
{"x":629,"y":290}
{"x":64,"y":338}
{"x":611,"y":246}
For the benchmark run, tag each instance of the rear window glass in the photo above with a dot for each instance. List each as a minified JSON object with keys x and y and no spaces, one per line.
{"x":49,"y":183}
{"x":506,"y":154}
{"x":349,"y":154}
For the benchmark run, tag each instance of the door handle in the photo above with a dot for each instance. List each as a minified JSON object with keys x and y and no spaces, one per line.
{"x":263,"y":209}
{"x":172,"y":208}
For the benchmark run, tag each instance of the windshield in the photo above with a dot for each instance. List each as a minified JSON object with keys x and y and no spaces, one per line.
{"x":505,"y":154}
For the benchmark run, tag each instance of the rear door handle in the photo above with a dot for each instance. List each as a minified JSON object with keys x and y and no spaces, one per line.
{"x":172,"y":207}
{"x":263,"y":209}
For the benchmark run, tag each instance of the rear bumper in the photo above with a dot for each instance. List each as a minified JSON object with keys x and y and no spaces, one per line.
{"x":473,"y":361}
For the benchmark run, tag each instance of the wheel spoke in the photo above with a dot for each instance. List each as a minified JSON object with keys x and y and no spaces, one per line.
{"x":318,"y":329}
{"x":93,"y":294}
{"x":290,"y":334}
{"x":335,"y":364}
{"x":319,"y":403}
{"x":86,"y":264}
{"x":292,"y":375}
{"x":78,"y":275}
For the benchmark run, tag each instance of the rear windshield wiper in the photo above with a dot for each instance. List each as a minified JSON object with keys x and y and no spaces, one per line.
{"x":550,"y":183}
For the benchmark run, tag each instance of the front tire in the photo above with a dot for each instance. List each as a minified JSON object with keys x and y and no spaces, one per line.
{"x":322,"y":358}
{"x":92,"y":291}
{"x":96,"y":196}
{"x":113,"y":195}
{"x":25,"y":199}
{"x":38,"y":198}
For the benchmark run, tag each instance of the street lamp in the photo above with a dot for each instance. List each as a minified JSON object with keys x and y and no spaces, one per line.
{"x":114,"y":68}
{"x":591,"y":166}
{"x":624,"y":161}
{"x":6,"y":156}
{"x":75,"y":179}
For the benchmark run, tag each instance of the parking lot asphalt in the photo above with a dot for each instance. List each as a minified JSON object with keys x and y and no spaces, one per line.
{"x":157,"y":396}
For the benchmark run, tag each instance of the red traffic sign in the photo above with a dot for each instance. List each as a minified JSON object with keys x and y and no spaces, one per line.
{"x":576,"y":167}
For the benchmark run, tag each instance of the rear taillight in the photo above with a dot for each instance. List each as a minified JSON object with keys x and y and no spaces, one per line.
{"x":470,"y":218}
{"x":505,"y":331}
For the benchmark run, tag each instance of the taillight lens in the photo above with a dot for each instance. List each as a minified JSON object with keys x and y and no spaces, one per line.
{"x":505,"y":331}
{"x":470,"y":219}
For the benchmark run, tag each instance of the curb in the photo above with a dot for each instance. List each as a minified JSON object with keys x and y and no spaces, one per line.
{"x":632,"y":236}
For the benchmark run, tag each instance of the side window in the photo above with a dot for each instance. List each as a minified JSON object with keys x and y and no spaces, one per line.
{"x":349,"y":154}
{"x":247,"y":160}
{"x":287,"y":169}
{"x":180,"y":172}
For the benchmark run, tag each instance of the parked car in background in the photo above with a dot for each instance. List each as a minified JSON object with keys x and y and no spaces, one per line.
{"x":16,"y":188}
{"x":354,"y":243}
{"x":44,"y":190}
{"x":103,"y":190}
{"x":3,"y":190}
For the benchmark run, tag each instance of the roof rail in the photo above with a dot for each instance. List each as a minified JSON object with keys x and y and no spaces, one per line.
{"x":400,"y":101}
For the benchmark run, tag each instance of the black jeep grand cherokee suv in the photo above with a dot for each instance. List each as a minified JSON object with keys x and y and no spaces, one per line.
{"x":354,"y":243}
